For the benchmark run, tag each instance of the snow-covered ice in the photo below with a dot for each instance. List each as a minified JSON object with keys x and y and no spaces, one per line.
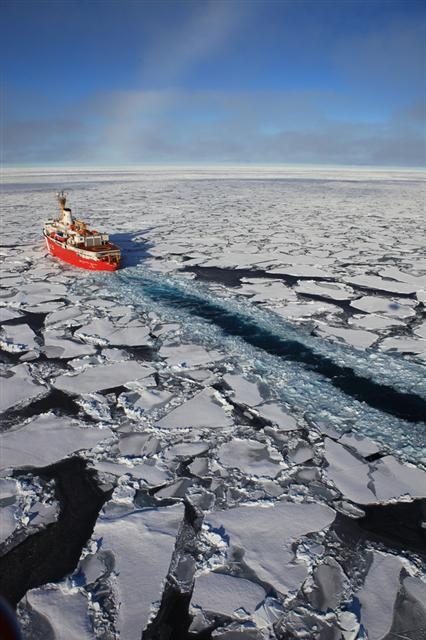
{"x":255,"y":368}
{"x":266,"y":535}
{"x":101,"y":377}
{"x":46,"y":439}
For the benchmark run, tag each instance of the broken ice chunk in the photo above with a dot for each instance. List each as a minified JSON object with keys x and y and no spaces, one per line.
{"x":67,"y":317}
{"x":8,"y":521}
{"x":138,"y":444}
{"x":297,"y":310}
{"x":392,"y":479}
{"x":47,"y":439}
{"x":415,"y":589}
{"x":355,"y":337}
{"x":331,"y":290}
{"x":329,"y":582}
{"x":186,"y":449}
{"x":17,"y":338}
{"x":102,"y":377}
{"x":104,"y":332}
{"x":251,"y":457}
{"x":226,"y":595}
{"x":63,"y":609}
{"x":8,"y":314}
{"x":275,"y":414}
{"x":364,"y":446}
{"x":348,"y":473}
{"x":19,"y":389}
{"x":300,"y":452}
{"x":203,"y":410}
{"x":381,"y":481}
{"x":96,"y":406}
{"x":402,"y":344}
{"x":244,"y":392}
{"x":378,"y":595}
{"x":266,"y":535}
{"x":301,"y":271}
{"x":379,"y":284}
{"x":142,"y":544}
{"x":420,"y":330}
{"x":387,"y":306}
{"x":373,"y":322}
{"x":59,"y":345}
{"x":152,"y":472}
{"x":137,"y":403}
{"x":188,"y":355}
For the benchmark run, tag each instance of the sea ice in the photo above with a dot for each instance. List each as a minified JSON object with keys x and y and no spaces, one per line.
{"x":251,"y":457}
{"x":403,"y":344}
{"x":379,"y":284}
{"x":266,"y":535}
{"x":356,"y":337}
{"x":203,"y":410}
{"x":226,"y":595}
{"x":382,"y":481}
{"x":389,"y":307}
{"x":300,"y":271}
{"x":46,"y":439}
{"x":67,"y":317}
{"x":58,"y":345}
{"x":142,"y":544}
{"x":274,"y":413}
{"x":100,"y":377}
{"x":378,"y":595}
{"x":243,"y":392}
{"x":373,"y":322}
{"x":151,"y":472}
{"x":298,"y":310}
{"x":8,"y":521}
{"x":63,"y":609}
{"x":8,"y":314}
{"x":104,"y":332}
{"x":187,"y":355}
{"x":17,"y":338}
{"x":19,"y":389}
{"x":137,"y":403}
{"x":331,"y":290}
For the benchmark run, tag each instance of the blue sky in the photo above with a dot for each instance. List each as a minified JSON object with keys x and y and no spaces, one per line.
{"x":124,"y":82}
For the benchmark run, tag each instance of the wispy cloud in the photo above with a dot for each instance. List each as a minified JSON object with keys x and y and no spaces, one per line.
{"x":212,"y":126}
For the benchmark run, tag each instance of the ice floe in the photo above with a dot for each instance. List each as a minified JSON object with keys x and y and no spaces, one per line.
{"x":57,"y":344}
{"x":378,"y":595}
{"x":203,"y":410}
{"x":100,"y":377}
{"x":46,"y":439}
{"x":17,"y":338}
{"x":250,"y":457}
{"x":226,"y":595}
{"x":64,"y":611}
{"x":266,"y":536}
{"x":257,"y":437}
{"x":355,"y":337}
{"x":141,"y":544}
{"x":19,"y":389}
{"x":104,"y":332}
{"x":386,"y":306}
{"x":367,"y":483}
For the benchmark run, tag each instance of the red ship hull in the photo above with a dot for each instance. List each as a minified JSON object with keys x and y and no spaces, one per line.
{"x":70,"y":256}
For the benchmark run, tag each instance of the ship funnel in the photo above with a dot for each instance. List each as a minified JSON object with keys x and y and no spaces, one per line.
{"x":62,"y":198}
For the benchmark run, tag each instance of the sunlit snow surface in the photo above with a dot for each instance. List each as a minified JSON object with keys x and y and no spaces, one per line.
{"x":258,"y":360}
